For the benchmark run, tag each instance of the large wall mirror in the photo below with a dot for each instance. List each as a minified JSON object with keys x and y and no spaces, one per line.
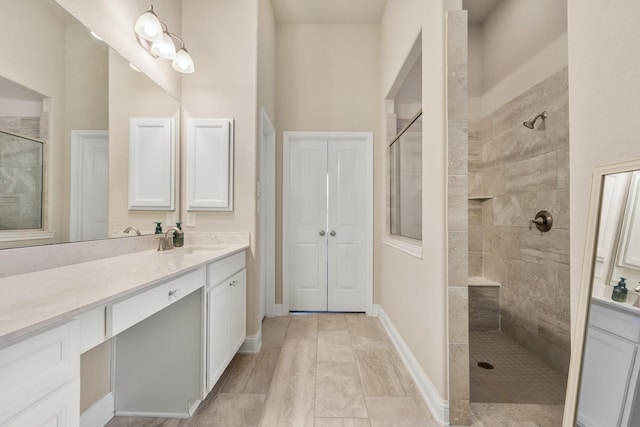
{"x":65,"y":103}
{"x":604,"y":382}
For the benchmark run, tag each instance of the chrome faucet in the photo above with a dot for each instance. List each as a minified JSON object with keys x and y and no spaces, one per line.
{"x":166,"y":242}
{"x":132,"y":228}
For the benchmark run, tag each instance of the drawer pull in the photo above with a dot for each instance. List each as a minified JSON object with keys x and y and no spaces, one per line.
{"x":234,"y":283}
{"x":175,"y":293}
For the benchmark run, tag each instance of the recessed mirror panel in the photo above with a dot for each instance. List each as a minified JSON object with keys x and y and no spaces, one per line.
{"x":603,"y":382}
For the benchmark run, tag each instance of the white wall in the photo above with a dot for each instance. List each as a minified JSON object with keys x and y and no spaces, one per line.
{"x":223,"y":38}
{"x":413,"y":291}
{"x":523,"y":42}
{"x":604,"y":103}
{"x":327,"y":80}
{"x":267,"y":58}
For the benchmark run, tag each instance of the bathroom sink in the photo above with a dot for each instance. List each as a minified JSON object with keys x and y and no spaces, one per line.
{"x":191,"y":250}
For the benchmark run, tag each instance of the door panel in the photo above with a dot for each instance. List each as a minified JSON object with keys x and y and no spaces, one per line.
{"x":307,"y":218}
{"x":348,"y":218}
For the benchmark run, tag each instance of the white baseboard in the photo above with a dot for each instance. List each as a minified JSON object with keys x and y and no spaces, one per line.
{"x":439,"y":407}
{"x":99,"y":414}
{"x":178,"y":415}
{"x":252,"y":344}
{"x":280,"y":310}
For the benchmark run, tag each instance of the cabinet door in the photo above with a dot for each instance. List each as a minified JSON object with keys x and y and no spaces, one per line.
{"x":151,"y":164}
{"x":209,"y":170}
{"x":59,"y":409}
{"x":217,"y":333}
{"x":237,"y":310}
{"x":608,"y":363}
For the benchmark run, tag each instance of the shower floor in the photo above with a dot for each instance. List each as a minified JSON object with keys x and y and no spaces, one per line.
{"x":517,"y":377}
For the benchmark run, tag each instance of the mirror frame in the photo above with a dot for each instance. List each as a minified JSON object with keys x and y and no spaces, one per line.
{"x":586,"y":279}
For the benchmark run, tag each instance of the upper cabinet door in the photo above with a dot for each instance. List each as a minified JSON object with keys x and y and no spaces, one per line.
{"x":629,"y":255}
{"x":152,"y":164}
{"x":209,"y":165}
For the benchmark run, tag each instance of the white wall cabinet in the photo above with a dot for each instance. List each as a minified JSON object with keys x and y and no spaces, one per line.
{"x":611,"y":363}
{"x":152,"y":164}
{"x":209,"y":165}
{"x":226,"y":314}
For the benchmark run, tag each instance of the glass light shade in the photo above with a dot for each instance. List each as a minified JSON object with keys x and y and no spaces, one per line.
{"x":148,"y":27}
{"x":183,"y":62}
{"x":166,"y":48}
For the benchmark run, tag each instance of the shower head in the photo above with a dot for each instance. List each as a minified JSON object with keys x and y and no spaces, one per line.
{"x":530,"y":123}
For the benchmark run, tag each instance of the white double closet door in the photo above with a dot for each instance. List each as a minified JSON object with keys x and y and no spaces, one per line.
{"x":327,"y":221}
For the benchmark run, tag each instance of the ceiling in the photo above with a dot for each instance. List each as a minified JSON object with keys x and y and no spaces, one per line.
{"x":328,"y":11}
{"x":479,"y":9}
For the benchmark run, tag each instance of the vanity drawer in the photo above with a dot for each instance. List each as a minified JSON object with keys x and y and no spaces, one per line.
{"x":127,"y":313}
{"x":225,"y":268}
{"x":36,"y":366}
{"x":616,"y":322}
{"x":93,"y":327}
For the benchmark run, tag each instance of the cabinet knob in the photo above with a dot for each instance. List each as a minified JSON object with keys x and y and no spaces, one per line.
{"x":234,"y":283}
{"x":322,"y":233}
{"x":333,"y":233}
{"x":175,"y":293}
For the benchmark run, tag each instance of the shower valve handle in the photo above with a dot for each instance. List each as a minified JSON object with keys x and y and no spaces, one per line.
{"x":543,"y":221}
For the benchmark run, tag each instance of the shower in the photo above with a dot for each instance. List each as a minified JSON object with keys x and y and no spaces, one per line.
{"x":531,"y":123}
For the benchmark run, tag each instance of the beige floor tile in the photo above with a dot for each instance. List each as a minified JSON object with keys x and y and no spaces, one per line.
{"x":335,"y":346}
{"x":342,"y":422}
{"x":252,"y":373}
{"x":381,"y":375}
{"x":339,"y":391}
{"x":396,"y":411}
{"x":273,"y":336}
{"x":297,"y":357}
{"x":230,"y":410}
{"x":303,"y":327}
{"x":276,"y":322}
{"x":332,"y":322}
{"x":290,"y":402}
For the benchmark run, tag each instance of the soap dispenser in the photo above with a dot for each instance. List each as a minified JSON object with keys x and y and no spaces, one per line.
{"x":158,"y":228}
{"x":620,"y":291}
{"x":178,"y":239}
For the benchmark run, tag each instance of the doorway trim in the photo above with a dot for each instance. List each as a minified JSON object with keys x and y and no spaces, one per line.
{"x":267,"y":211}
{"x":287,"y":136}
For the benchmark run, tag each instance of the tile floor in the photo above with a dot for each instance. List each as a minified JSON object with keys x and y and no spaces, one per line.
{"x":517,"y":377}
{"x":329,"y":370}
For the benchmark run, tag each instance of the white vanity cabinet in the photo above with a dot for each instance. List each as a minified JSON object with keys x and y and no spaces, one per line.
{"x":40,"y":379}
{"x":611,"y":363}
{"x":226,"y":314}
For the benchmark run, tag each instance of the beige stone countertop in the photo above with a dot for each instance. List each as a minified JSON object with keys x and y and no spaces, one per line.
{"x":33,"y":301}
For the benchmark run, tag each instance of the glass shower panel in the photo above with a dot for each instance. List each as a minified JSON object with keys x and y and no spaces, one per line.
{"x":405,"y":172}
{"x":21,"y":172}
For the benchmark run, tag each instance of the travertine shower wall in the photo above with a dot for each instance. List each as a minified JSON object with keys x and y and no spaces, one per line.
{"x":515,"y":172}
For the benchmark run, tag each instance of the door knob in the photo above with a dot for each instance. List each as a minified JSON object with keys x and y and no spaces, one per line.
{"x":322,"y":233}
{"x":333,"y":233}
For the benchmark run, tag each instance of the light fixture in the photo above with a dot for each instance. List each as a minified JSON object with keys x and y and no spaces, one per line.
{"x":148,"y":26}
{"x":155,"y":38}
{"x":165,"y":48}
{"x":183,"y":61}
